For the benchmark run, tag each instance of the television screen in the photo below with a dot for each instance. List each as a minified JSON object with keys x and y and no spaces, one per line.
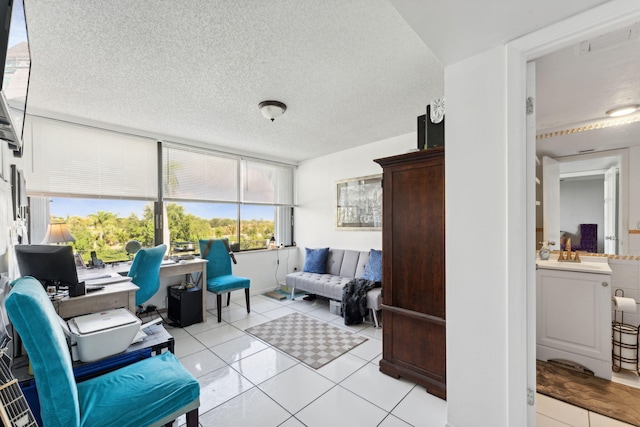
{"x":52,"y":265}
{"x":16,"y":72}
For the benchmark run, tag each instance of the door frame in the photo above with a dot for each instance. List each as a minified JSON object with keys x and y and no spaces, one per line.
{"x":606,"y":17}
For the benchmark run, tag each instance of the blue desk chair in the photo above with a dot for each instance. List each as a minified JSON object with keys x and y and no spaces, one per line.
{"x":145,"y":272}
{"x":151,"y":392}
{"x":220,"y":278}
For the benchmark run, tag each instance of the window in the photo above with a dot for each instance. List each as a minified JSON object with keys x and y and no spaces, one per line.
{"x":107,"y":192}
{"x":189,"y":222}
{"x":220,"y":188}
{"x":104,"y":225}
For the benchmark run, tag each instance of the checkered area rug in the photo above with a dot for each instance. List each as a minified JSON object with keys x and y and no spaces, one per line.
{"x":310,"y":341}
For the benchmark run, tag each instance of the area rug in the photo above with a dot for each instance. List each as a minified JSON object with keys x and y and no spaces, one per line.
{"x":310,"y":341}
{"x":604,"y":397}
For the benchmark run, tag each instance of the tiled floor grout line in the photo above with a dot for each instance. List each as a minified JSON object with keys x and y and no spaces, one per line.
{"x":213,"y":317}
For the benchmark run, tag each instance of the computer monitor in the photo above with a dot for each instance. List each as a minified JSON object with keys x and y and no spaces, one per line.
{"x":51,"y":265}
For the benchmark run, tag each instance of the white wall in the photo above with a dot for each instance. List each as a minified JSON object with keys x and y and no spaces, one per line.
{"x":581,"y":202}
{"x":315,"y":214}
{"x":476,"y":229}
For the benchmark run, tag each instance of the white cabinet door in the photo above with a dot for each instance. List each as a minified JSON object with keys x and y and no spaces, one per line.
{"x":574,"y":318}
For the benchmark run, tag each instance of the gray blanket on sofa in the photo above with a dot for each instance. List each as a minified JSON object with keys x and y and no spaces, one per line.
{"x":354,"y":300}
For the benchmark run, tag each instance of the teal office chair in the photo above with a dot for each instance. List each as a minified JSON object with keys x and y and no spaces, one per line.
{"x":220,"y":278}
{"x":151,"y":392}
{"x":145,"y":272}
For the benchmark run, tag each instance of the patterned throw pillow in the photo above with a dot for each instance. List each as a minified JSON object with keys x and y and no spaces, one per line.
{"x":373,"y":267}
{"x":316,"y":260}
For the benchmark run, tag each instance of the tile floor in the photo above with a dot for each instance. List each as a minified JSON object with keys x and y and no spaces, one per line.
{"x":246,"y":382}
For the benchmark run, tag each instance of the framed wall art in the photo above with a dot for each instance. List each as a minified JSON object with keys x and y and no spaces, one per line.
{"x":359,"y":203}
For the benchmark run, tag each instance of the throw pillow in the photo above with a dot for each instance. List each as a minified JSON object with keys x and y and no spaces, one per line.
{"x":316,"y":260}
{"x":373,"y":267}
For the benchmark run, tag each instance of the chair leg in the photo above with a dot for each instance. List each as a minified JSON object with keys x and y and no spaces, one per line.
{"x":219,"y":306}
{"x":228,"y":298}
{"x":192,"y":418}
{"x":293,"y":293}
{"x":246,"y":296}
{"x":375,"y":318}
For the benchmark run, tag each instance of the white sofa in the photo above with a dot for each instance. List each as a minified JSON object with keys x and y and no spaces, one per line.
{"x":342,"y":266}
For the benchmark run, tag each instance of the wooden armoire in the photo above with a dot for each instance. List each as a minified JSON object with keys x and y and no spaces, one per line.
{"x":413,"y":269}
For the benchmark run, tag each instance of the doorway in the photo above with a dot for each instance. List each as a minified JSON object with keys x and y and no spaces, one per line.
{"x":582,"y":138}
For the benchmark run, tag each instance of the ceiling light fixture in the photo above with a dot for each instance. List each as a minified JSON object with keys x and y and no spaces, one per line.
{"x":272,"y":109}
{"x":623,"y":111}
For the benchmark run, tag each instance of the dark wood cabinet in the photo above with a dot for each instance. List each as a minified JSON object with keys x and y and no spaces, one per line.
{"x":413,"y":277}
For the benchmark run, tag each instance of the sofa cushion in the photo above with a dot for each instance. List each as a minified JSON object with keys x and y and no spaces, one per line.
{"x":316,"y":260}
{"x":326,"y":285}
{"x":373,"y":269}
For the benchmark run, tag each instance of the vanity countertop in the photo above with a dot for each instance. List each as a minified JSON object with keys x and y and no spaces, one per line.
{"x":597,"y":265}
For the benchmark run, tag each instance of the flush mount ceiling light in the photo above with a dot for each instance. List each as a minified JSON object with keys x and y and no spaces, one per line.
{"x":623,"y":111}
{"x":272,"y":109}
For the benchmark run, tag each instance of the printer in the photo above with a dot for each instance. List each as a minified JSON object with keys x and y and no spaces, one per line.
{"x":103,"y":334}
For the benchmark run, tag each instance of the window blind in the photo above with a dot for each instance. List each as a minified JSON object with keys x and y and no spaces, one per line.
{"x":81,"y":161}
{"x":189,"y":174}
{"x":267,"y":183}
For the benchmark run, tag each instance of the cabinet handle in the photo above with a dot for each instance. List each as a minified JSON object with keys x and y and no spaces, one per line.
{"x":605,"y":284}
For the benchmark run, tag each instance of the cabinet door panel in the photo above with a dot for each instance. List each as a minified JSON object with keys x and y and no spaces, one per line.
{"x":428,"y":358}
{"x":418,"y":232}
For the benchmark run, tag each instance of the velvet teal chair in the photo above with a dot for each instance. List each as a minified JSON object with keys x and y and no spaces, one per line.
{"x":145,"y":272}
{"x":151,"y":392}
{"x":220,"y":278}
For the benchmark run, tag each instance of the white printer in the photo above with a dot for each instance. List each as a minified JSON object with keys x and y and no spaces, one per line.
{"x":99,"y":335}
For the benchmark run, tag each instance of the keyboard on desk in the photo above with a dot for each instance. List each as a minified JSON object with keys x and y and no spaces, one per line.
{"x":92,"y":288}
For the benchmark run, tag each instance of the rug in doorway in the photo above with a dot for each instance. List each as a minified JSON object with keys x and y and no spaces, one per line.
{"x":608,"y":398}
{"x":310,"y":341}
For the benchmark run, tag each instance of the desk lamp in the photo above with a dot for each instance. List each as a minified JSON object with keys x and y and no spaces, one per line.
{"x":58,"y":233}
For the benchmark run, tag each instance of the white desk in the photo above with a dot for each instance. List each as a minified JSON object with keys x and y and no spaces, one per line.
{"x":116,"y":295}
{"x":186,"y":268}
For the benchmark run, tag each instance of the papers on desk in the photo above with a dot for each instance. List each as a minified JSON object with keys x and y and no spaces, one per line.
{"x":108,"y":280}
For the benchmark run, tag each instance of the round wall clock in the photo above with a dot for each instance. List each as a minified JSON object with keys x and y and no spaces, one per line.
{"x":437,"y":110}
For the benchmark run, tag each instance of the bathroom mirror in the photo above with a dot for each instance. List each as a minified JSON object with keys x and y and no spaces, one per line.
{"x":584,"y":198}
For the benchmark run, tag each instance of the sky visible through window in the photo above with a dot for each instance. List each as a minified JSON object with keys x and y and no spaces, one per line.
{"x":65,"y":207}
{"x":18,"y":29}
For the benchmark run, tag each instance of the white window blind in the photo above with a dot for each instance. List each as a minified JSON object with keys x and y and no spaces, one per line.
{"x":73,"y":160}
{"x":267,"y":183}
{"x":196,"y":175}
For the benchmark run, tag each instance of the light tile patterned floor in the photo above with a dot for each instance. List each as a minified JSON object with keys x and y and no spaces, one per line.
{"x":247,"y":383}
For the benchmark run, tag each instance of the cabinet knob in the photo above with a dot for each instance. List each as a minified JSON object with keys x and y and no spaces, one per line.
{"x":605,"y":284}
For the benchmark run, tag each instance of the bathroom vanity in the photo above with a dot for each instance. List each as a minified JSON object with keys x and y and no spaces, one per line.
{"x":573,"y":313}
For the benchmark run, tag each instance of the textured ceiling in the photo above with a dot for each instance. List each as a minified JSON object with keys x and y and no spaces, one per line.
{"x":351,"y":72}
{"x":575,"y":89}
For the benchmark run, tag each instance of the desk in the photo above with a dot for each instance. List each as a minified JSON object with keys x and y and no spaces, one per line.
{"x":115,"y":295}
{"x":186,"y":268}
